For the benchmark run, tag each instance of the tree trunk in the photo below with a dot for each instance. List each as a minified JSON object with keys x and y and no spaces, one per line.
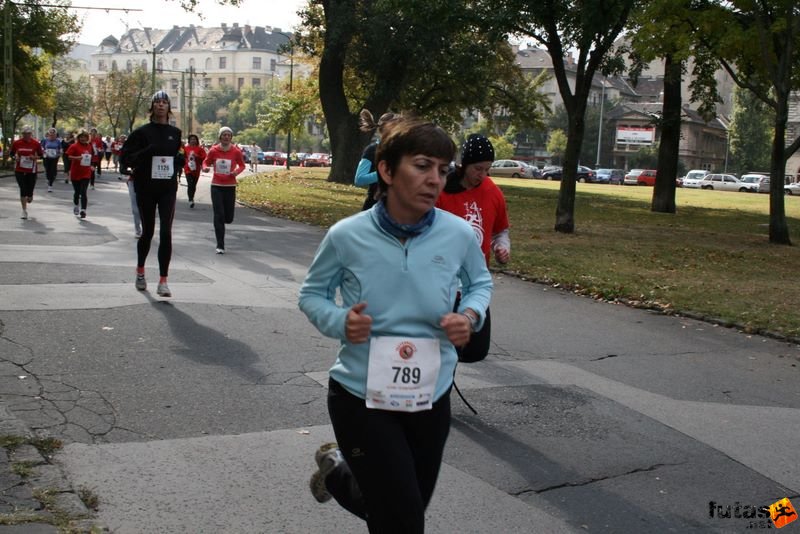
{"x":778,"y":228}
{"x":565,"y":210}
{"x":664,"y":190}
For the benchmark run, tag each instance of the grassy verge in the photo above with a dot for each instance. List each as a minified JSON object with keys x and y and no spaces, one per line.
{"x":711,"y":259}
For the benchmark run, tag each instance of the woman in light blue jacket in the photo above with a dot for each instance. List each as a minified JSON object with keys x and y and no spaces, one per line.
{"x":397,"y":268}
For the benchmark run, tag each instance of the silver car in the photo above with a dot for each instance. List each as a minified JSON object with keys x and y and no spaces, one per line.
{"x":509,"y":168}
{"x":727,"y":182}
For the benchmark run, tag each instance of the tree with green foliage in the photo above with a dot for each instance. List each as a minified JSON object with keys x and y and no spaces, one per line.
{"x":213,"y":105}
{"x":434,"y":59}
{"x":557,"y":145}
{"x":284,"y":111}
{"x":38,"y":33}
{"x":73,"y":101}
{"x":758,"y":43}
{"x":122,"y":97}
{"x":750,"y":133}
{"x":586,"y":30}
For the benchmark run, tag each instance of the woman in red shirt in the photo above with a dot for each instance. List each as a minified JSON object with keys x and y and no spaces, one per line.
{"x":80,"y":171}
{"x":195,"y":154}
{"x":26,"y":152}
{"x":227,"y":161}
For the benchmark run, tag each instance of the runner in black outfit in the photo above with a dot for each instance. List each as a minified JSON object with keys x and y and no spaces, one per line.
{"x":154,"y":153}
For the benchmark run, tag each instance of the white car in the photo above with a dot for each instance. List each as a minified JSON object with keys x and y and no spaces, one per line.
{"x":727,"y":182}
{"x":792,"y":189}
{"x":692,"y":179}
{"x":761,"y":180}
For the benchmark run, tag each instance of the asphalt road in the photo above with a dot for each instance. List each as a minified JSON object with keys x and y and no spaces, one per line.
{"x":200,"y":413}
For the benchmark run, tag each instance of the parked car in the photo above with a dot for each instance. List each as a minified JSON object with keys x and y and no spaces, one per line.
{"x":551,"y":172}
{"x":640,"y":177}
{"x":727,"y":182}
{"x":692,"y":179}
{"x":761,"y":181}
{"x":275,"y":158}
{"x":585,"y":174}
{"x":792,"y":189}
{"x":509,"y":168}
{"x":317,"y":159}
{"x":610,"y":176}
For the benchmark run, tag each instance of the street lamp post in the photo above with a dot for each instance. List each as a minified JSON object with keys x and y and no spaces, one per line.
{"x":291,"y":74}
{"x":600,"y":124}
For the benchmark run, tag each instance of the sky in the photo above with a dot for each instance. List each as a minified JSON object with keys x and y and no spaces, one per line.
{"x":163,"y":14}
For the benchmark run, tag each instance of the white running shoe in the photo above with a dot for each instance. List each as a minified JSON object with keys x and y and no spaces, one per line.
{"x":163,"y":291}
{"x":75,"y":210}
{"x":49,"y":188}
{"x":141,"y":283}
{"x":328,"y":458}
{"x":24,"y":214}
{"x":220,"y":250}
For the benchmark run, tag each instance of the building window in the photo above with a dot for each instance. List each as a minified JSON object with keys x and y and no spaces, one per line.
{"x":160,"y":65}
{"x":208,"y":63}
{"x":191,"y":62}
{"x":256,"y":82}
{"x":101,"y":64}
{"x":206,"y":83}
{"x":256,"y":63}
{"x":144,"y":64}
{"x":240,"y":83}
{"x":223,"y":63}
{"x":174,"y":84}
{"x":114,"y":64}
{"x":221,"y":82}
{"x":273,"y":64}
{"x":129,"y":65}
{"x":175,"y":65}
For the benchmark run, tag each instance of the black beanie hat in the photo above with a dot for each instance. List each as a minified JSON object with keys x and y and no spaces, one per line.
{"x":476,"y":148}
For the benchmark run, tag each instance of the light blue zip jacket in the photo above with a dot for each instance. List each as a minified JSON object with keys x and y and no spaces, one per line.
{"x":408,"y":288}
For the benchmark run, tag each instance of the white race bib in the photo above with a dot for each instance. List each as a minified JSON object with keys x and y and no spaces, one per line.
{"x":222,"y":166}
{"x":86,"y":160}
{"x":162,"y":168}
{"x":50,"y":153}
{"x":192,"y":164}
{"x":402,"y":373}
{"x":26,"y":162}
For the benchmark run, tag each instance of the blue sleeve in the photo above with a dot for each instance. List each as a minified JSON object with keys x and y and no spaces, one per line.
{"x":363,"y":176}
{"x":476,"y":283}
{"x":318,"y":292}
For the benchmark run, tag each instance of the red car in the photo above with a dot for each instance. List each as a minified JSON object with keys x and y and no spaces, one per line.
{"x":317,"y":159}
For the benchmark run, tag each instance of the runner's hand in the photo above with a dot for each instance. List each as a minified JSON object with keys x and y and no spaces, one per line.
{"x":457,"y":327}
{"x":357,"y":325}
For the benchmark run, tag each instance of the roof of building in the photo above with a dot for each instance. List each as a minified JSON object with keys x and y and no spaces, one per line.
{"x":194,"y":38}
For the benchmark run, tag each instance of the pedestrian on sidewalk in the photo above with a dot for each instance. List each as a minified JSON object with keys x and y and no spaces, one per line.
{"x":154,"y":152}
{"x":195,"y":155}
{"x":97,"y":157}
{"x":107,"y":150}
{"x":227,"y":161}
{"x":68,"y":140}
{"x":52,"y":153}
{"x":80,"y":171}
{"x":470,"y":194}
{"x":396,"y":269}
{"x":116,"y":149}
{"x":26,"y":152}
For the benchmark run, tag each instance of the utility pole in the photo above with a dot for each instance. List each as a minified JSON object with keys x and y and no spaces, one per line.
{"x":153,"y":73}
{"x":191,"y":99}
{"x":183,"y":101}
{"x":600,"y":124}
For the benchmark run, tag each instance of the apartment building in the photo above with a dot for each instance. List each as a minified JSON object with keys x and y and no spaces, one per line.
{"x":189,"y":60}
